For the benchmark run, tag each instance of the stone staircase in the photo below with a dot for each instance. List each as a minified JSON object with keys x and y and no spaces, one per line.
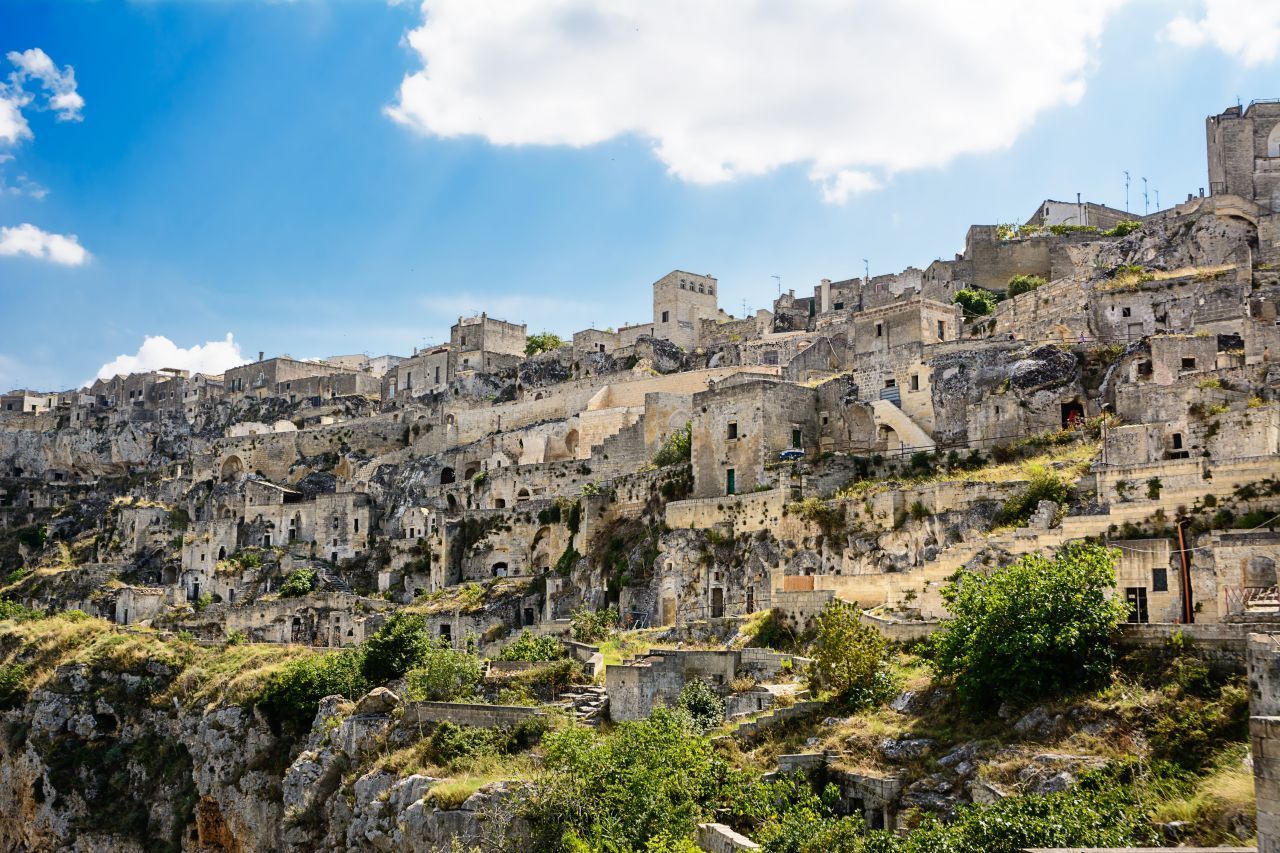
{"x":775,"y":716}
{"x":589,"y":704}
{"x":329,"y":580}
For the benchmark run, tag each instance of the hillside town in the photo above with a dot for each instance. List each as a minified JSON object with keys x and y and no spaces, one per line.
{"x":645,"y":498}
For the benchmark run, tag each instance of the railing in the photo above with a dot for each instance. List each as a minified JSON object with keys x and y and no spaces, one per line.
{"x":1241,"y":599}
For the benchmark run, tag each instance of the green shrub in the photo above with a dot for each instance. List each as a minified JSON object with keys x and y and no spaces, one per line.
{"x":290,"y":696}
{"x":704,"y":707}
{"x":13,"y":610}
{"x":544,"y":342}
{"x":1123,"y":228}
{"x":1044,"y":484}
{"x":398,"y":646}
{"x":450,"y":744}
{"x":848,"y":656}
{"x":975,"y":302}
{"x":530,"y":647}
{"x":676,"y":448}
{"x":1034,"y":629}
{"x":1020,"y":284}
{"x":299,"y":583}
{"x":444,"y":674}
{"x":13,"y":691}
{"x":592,"y":626}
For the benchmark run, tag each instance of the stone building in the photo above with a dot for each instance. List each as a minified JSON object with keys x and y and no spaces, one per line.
{"x":486,"y":345}
{"x":681,"y":301}
{"x":1244,"y":153}
{"x":276,"y":377}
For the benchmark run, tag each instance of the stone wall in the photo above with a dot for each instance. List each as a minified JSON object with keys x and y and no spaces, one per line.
{"x":467,"y":714}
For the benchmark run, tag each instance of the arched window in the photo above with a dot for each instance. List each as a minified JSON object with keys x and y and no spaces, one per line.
{"x":446,"y":476}
{"x":1273,"y":142}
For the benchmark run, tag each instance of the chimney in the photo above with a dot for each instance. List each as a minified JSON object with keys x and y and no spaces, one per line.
{"x":260,"y":355}
{"x":1202,"y":192}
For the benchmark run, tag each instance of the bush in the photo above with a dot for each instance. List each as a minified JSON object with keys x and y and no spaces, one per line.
{"x":1020,"y":284}
{"x":299,"y":583}
{"x":676,"y":448}
{"x":1034,"y":629}
{"x":975,"y":302}
{"x":395,"y":648}
{"x":451,"y":743}
{"x":1044,"y":484}
{"x":444,"y":674}
{"x":13,"y":610}
{"x":290,"y":696}
{"x":1123,"y":228}
{"x":700,"y":702}
{"x":544,"y":342}
{"x":529,"y":647}
{"x":848,"y":656}
{"x":592,"y":626}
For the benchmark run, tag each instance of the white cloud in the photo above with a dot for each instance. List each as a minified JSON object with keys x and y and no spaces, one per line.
{"x":1247,"y":30}
{"x":158,"y":352}
{"x":27,"y":239}
{"x":13,"y":125}
{"x":853,"y":90}
{"x":59,"y":86}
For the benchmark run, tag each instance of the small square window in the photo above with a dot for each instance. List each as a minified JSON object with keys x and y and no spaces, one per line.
{"x":891,"y":383}
{"x":915,"y":382}
{"x":839,"y":306}
{"x":1126,"y":312}
{"x":733,"y":430}
{"x":1159,"y":580}
{"x":1188,"y":363}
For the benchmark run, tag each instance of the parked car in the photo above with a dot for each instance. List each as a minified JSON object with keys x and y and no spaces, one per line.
{"x":791,"y":455}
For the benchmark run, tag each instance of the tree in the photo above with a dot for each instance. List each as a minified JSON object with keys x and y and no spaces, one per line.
{"x":975,"y":302}
{"x":395,"y":648}
{"x":444,"y":674}
{"x":592,"y":626}
{"x":530,"y":647}
{"x":1037,"y":628}
{"x":544,"y":342}
{"x":1020,"y":284}
{"x":290,"y":696}
{"x":700,"y":702}
{"x":849,"y":658}
{"x":299,"y":583}
{"x":676,"y":448}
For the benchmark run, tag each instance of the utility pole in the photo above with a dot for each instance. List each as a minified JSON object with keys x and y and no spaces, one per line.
{"x":1146,"y":203}
{"x":1157,"y":200}
{"x":778,"y":279}
{"x":866,"y":272}
{"x":1126,"y":191}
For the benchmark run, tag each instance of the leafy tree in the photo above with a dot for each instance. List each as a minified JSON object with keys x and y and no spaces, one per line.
{"x":444,"y":674}
{"x":704,"y":707}
{"x":592,"y":626}
{"x":530,"y":647}
{"x":290,"y":695}
{"x":1123,"y":228}
{"x":1043,"y":484}
{"x":1020,"y":284}
{"x":617,"y":791}
{"x":544,"y":342}
{"x":849,"y":658}
{"x":399,"y":645}
{"x":676,"y":448}
{"x":299,"y":583}
{"x":974,"y":301}
{"x":1037,"y":628}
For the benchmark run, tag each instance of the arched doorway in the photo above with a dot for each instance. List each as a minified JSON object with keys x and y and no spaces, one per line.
{"x":446,"y":476}
{"x":1072,"y":414}
{"x":232,"y":468}
{"x":571,"y":443}
{"x":499,"y":570}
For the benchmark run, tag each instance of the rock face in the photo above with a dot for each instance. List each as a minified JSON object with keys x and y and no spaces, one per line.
{"x":89,"y":763}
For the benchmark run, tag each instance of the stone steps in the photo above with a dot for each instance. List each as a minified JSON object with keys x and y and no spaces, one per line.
{"x":588,"y":704}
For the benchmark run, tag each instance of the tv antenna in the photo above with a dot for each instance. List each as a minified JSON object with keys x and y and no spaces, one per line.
{"x":866,"y":271}
{"x":1157,"y":199}
{"x":1146,"y":202}
{"x":778,"y":279}
{"x":1126,"y":191}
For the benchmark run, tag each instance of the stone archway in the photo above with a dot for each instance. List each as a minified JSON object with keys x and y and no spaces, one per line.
{"x":232,"y":468}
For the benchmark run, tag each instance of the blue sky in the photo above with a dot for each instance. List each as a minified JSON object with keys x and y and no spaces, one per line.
{"x":254,"y":169}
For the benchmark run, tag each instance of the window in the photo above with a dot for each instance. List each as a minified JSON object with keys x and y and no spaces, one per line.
{"x":733,"y":430}
{"x":915,"y":382}
{"x":839,"y":306}
{"x":1136,"y":598}
{"x":942,"y":330}
{"x":1159,"y":580}
{"x":891,"y":383}
{"x":1177,"y":441}
{"x":437,"y":374}
{"x":666,"y":317}
{"x":730,"y":482}
{"x":462,"y":341}
{"x":1188,"y":363}
{"x":879,"y":330}
{"x":357,"y":521}
{"x":1126,"y":312}
{"x":770,"y":357}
